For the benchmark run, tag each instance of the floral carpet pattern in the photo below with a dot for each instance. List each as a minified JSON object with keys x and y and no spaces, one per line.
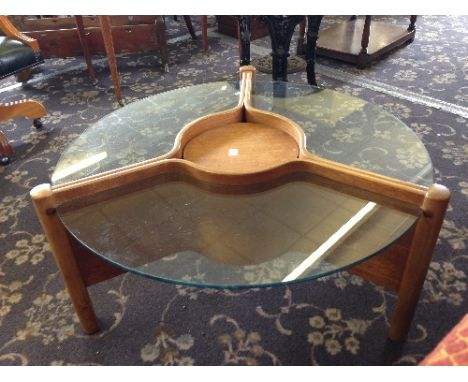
{"x":336,"y":320}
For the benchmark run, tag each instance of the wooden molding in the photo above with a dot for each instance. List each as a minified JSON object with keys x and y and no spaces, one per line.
{"x":10,"y":31}
{"x":28,"y":108}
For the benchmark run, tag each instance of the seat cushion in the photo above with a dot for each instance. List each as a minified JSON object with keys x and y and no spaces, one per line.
{"x":16,"y":56}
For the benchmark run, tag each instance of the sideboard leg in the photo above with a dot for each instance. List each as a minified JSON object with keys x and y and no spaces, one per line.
{"x":44,"y":204}
{"x":419,"y":257}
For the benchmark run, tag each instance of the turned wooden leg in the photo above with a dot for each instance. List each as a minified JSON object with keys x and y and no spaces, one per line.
{"x":412,"y":25}
{"x":162,"y":42}
{"x":204,"y":28}
{"x":44,"y":204}
{"x":363,"y":57}
{"x":419,"y":258}
{"x":106,"y":31}
{"x":84,"y":45}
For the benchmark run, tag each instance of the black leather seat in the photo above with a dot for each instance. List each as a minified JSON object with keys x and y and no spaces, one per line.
{"x":16,"y":57}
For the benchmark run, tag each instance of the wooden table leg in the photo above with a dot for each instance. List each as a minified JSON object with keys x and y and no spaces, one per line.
{"x":44,"y":204}
{"x":6,"y":151}
{"x":162,"y":42}
{"x":106,"y":31}
{"x":188,"y":22}
{"x":412,"y":25}
{"x":363,"y":57}
{"x":84,"y":45}
{"x":300,"y":50}
{"x":243,"y":39}
{"x":204,"y":28}
{"x":419,"y":258}
{"x":313,"y":25}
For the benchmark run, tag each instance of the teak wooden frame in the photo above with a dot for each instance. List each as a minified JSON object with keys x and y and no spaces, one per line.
{"x":402,"y":267}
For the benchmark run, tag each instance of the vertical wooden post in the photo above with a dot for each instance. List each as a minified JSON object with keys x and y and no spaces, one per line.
{"x":412,"y":25}
{"x":162,"y":42}
{"x":204,"y":28}
{"x":243,"y":38}
{"x":300,"y":50}
{"x":363,"y":55}
{"x":106,"y":30}
{"x":188,"y":22}
{"x":44,"y":204}
{"x":425,"y":237}
{"x":313,"y":25}
{"x":84,"y":45}
{"x":6,"y":150}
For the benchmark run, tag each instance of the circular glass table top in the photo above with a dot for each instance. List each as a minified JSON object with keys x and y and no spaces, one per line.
{"x":176,"y":229}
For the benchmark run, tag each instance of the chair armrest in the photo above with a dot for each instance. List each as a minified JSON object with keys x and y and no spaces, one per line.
{"x":10,"y":31}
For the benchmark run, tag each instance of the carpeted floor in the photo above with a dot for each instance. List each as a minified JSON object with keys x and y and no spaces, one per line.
{"x":337,"y":320}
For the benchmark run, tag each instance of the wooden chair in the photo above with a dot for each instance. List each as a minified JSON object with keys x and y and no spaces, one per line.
{"x":18,"y":54}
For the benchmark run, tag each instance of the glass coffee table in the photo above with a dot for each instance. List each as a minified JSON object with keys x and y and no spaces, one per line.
{"x":244,"y":184}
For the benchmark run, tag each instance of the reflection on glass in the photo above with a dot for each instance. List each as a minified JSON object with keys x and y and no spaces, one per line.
{"x":181,"y":230}
{"x":333,"y":241}
{"x":78,"y":166}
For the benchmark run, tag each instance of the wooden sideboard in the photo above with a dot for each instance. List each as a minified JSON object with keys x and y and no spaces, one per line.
{"x":58,"y":35}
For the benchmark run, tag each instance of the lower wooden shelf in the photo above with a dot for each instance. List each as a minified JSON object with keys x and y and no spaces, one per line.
{"x":348,"y":41}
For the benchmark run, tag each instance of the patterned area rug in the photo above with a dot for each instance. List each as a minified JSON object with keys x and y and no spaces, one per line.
{"x":264,"y":64}
{"x":337,"y":320}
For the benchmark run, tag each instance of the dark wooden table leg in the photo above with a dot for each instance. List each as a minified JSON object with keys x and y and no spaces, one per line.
{"x":162,"y":42}
{"x":363,"y":57}
{"x":204,"y":28}
{"x":412,"y":25}
{"x":313,"y":25}
{"x":6,"y":151}
{"x":243,"y":39}
{"x":188,"y":22}
{"x":412,"y":28}
{"x":281,"y":29}
{"x":84,"y":45}
{"x":300,"y":50}
{"x":106,"y":31}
